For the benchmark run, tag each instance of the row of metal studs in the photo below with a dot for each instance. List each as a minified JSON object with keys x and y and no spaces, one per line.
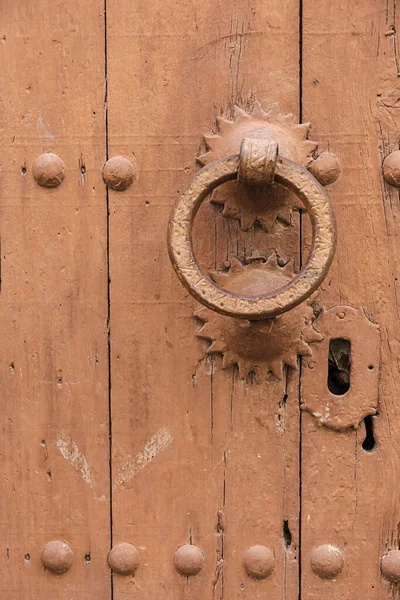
{"x":327,"y":561}
{"x":49,"y":171}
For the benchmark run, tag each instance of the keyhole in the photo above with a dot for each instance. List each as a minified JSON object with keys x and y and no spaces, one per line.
{"x":339,"y":366}
{"x":369,"y":442}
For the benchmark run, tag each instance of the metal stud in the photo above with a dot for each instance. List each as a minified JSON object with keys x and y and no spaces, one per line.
{"x":189,"y":560}
{"x":325,"y":168}
{"x":390,"y":565}
{"x":123,"y":559}
{"x":57,"y":556}
{"x":327,"y":561}
{"x":48,"y":170}
{"x":119,"y":173}
{"x":391,"y":168}
{"x":259,"y":562}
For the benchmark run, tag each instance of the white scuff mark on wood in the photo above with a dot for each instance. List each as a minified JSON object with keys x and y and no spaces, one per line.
{"x":159,"y":442}
{"x":44,"y":128}
{"x":70,"y":451}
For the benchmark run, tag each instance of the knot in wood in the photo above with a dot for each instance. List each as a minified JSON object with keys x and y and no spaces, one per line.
{"x":257,"y":161}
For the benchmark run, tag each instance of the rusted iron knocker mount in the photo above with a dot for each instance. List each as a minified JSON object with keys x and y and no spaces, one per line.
{"x":257,"y":331}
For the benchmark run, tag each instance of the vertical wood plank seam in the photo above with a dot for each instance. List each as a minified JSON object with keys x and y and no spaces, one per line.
{"x":1,"y":269}
{"x":300,"y":61}
{"x":108,"y":292}
{"x":285,"y":570}
{"x":212,"y":360}
{"x":221,"y":526}
{"x":300,"y":520}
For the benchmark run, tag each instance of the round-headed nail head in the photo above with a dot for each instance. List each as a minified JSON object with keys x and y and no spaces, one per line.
{"x":48,"y":170}
{"x":325,"y":168}
{"x":123,"y":559}
{"x":391,"y":168}
{"x":390,"y":566}
{"x":119,"y":173}
{"x":188,"y":560}
{"x":327,"y":561}
{"x":57,"y":556}
{"x":259,"y":562}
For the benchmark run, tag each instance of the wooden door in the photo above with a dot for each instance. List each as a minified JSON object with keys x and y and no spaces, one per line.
{"x":129,"y":421}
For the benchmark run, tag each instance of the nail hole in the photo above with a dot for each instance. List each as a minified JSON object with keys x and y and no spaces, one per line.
{"x":371,"y":367}
{"x":27,"y":557}
{"x":88,"y":558}
{"x":23,"y":170}
{"x":287,"y":536}
{"x":339,"y":366}
{"x":369,"y":442}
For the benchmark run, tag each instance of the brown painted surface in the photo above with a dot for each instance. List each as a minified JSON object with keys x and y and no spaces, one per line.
{"x":221,"y":487}
{"x":222,"y":456}
{"x":53,"y":304}
{"x":350,"y":497}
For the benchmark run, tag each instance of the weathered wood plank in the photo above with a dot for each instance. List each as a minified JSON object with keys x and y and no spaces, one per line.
{"x":350,"y":90}
{"x":173,"y":69}
{"x":53,"y":301}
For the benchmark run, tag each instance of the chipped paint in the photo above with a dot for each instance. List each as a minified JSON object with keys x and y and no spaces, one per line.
{"x":159,"y":442}
{"x":70,"y":451}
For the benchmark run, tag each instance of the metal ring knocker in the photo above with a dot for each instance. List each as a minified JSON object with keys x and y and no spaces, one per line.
{"x":258,"y":163}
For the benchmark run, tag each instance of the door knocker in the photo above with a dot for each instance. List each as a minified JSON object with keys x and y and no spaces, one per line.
{"x":257,"y":163}
{"x":264,"y":329}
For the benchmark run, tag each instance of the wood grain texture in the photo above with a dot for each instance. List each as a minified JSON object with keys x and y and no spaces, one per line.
{"x":200,"y":455}
{"x":350,"y":497}
{"x":216,"y":456}
{"x":53,"y":301}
